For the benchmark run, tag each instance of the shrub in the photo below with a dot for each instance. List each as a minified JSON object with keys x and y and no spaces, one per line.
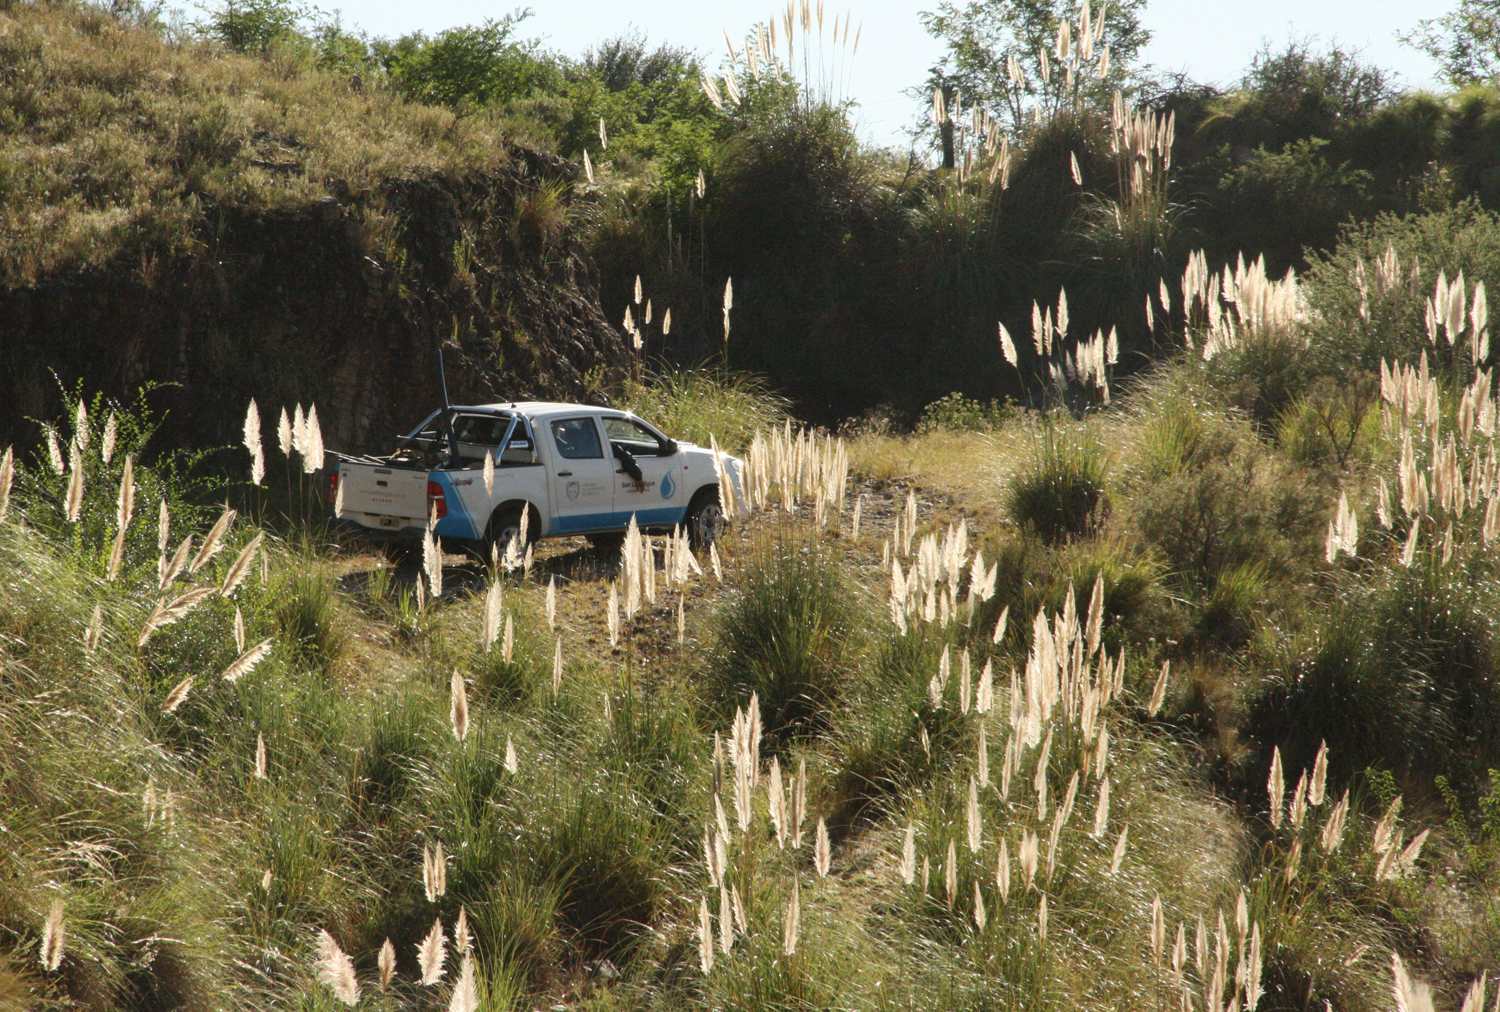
{"x":957,"y":413}
{"x":1463,"y":238}
{"x":1333,"y":423}
{"x":788,"y":634}
{"x":1203,"y":490}
{"x":1061,"y":492}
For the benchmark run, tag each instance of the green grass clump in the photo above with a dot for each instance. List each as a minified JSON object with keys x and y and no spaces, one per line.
{"x":1061,"y":492}
{"x":789,"y":635}
{"x":1400,"y":676}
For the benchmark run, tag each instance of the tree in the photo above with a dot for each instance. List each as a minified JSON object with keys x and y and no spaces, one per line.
{"x":474,"y":64}
{"x":1465,"y":42}
{"x":250,"y":26}
{"x":1028,"y":58}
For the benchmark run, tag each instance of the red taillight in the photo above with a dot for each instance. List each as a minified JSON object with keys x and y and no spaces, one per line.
{"x":333,"y":487}
{"x":437,"y":502}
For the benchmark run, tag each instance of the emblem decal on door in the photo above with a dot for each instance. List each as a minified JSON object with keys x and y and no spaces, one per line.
{"x":667,"y":485}
{"x":573,"y":489}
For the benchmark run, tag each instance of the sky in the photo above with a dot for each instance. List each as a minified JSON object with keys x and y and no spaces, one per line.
{"x":1211,"y":40}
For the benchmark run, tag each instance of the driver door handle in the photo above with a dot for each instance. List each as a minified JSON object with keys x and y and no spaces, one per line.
{"x":565,"y":474}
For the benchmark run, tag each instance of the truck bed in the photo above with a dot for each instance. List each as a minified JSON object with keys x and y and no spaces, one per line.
{"x":388,"y":497}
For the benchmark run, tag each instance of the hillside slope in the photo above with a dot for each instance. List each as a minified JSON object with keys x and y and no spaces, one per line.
{"x":241,"y":227}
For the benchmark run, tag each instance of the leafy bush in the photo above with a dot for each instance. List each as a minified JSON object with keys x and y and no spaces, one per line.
{"x":1208,"y":495}
{"x":957,"y":413}
{"x":1464,"y":238}
{"x":1061,"y":492}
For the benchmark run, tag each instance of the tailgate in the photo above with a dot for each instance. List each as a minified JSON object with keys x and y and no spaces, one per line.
{"x":383,"y":491}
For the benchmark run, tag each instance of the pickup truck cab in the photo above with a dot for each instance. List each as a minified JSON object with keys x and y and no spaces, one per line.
{"x":568,"y":465}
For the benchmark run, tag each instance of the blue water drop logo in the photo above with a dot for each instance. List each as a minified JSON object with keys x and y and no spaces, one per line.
{"x":667,"y":486}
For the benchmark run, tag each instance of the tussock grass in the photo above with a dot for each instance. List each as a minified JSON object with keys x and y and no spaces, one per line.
{"x":789,"y":636}
{"x":1061,"y":493}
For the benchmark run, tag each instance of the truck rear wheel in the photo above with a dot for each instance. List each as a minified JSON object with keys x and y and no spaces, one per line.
{"x":505,"y":527}
{"x":704,"y":518}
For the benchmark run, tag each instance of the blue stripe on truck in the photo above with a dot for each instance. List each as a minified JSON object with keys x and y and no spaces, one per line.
{"x":458,"y":523}
{"x":665,"y":517}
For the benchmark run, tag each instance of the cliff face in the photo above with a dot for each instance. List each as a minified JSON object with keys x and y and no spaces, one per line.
{"x":342,"y":303}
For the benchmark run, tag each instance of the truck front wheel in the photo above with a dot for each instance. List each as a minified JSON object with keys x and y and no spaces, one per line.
{"x":704,"y":518}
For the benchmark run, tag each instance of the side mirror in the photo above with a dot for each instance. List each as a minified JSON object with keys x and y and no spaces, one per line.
{"x":669,"y":448}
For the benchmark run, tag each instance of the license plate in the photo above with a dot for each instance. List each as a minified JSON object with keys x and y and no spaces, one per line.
{"x":390,"y":522}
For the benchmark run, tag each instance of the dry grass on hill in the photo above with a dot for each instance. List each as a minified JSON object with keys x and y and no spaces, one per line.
{"x":112,"y":139}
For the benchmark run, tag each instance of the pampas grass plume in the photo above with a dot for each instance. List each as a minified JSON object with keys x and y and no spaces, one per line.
{"x":7,"y":479}
{"x":386,"y":961}
{"x":74,"y":504}
{"x":458,"y":705}
{"x":177,"y":695}
{"x":336,"y":969}
{"x":213,"y":541}
{"x":466,"y":991}
{"x":54,"y":936}
{"x":241,"y":566}
{"x":792,"y":925}
{"x":432,"y":953}
{"x":1276,"y":789}
{"x":434,"y":872}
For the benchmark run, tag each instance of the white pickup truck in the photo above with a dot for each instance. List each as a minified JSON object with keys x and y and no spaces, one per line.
{"x":571,"y":466}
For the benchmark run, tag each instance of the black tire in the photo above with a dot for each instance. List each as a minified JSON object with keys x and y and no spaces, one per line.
{"x":704,"y":519}
{"x":505,"y":524}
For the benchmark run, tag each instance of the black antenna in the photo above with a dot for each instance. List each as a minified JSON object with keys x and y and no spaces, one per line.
{"x":453,"y":455}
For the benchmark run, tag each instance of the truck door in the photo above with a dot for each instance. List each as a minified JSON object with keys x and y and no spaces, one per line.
{"x":662,"y":502}
{"x":582,"y":476}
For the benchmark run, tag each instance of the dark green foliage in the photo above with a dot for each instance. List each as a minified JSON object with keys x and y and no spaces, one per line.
{"x":788,"y":634}
{"x":469,"y":65}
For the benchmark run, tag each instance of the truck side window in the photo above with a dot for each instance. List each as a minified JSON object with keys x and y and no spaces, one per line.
{"x":633,"y":436}
{"x":577,"y":438}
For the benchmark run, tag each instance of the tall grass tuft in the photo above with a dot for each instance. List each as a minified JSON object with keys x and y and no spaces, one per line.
{"x":1060,"y":494}
{"x":788,"y":634}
